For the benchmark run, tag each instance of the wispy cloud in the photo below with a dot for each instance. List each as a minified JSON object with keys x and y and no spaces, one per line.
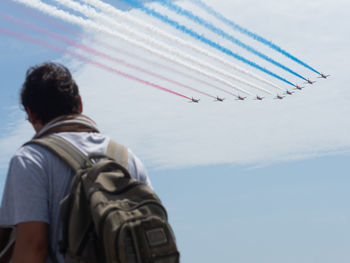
{"x":172,"y":133}
{"x":168,"y":132}
{"x":17,"y":132}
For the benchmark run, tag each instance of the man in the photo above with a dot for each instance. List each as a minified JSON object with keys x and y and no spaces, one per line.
{"x":37,"y":179}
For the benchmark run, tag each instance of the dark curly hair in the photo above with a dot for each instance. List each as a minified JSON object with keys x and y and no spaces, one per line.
{"x":49,"y":91}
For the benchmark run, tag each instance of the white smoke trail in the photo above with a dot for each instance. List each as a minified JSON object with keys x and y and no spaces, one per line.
{"x":66,"y":16}
{"x":150,"y":28}
{"x":89,"y":12}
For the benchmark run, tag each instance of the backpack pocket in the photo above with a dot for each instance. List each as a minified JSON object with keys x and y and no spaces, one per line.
{"x":149,"y":240}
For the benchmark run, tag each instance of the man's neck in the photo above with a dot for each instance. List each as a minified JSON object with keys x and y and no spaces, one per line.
{"x":68,"y":123}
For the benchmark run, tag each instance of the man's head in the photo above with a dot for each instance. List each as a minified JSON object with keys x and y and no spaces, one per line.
{"x":49,"y":91}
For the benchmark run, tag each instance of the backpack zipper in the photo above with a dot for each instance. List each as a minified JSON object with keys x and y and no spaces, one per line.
{"x":127,"y":188}
{"x":85,"y":239}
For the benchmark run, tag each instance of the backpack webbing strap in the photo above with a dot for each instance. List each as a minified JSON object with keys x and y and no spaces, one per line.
{"x":64,"y":150}
{"x":118,"y":152}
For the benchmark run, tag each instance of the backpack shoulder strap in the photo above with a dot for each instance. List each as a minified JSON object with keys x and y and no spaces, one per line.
{"x":64,"y":150}
{"x":118,"y":152}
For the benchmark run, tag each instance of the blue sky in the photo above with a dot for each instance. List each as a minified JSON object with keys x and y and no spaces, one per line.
{"x":243,"y":182}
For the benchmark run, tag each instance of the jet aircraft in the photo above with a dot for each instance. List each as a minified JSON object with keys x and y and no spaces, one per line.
{"x":288,"y":92}
{"x":324,"y":76}
{"x":259,"y":98}
{"x":299,"y":87}
{"x":219,"y":99}
{"x":241,"y":98}
{"x":194,"y":100}
{"x":309,"y":81}
{"x":279,"y":97}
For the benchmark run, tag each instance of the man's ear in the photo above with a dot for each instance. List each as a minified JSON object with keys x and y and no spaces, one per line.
{"x":31,"y":116}
{"x":80,"y":107}
{"x":37,"y":125}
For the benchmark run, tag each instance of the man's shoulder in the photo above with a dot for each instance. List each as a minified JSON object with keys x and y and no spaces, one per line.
{"x":98,"y":142}
{"x":87,"y":143}
{"x":38,"y":154}
{"x":31,"y":153}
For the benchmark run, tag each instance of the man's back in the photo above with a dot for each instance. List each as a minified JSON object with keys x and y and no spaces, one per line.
{"x":38,"y":180}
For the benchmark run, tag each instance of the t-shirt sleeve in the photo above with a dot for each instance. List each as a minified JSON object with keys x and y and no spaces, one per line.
{"x":25,"y":195}
{"x":137,"y":169}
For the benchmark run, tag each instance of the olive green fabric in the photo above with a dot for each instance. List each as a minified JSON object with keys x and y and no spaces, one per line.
{"x":108,"y":216}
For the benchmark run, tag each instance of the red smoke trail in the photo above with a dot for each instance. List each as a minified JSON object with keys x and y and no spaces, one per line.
{"x":87,"y":60}
{"x":95,"y":52}
{"x":151,"y":62}
{"x":148,"y":61}
{"x":74,"y":32}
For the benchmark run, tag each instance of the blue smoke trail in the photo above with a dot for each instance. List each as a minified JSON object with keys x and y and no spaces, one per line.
{"x":237,"y":27}
{"x":165,"y":19}
{"x":223,"y":34}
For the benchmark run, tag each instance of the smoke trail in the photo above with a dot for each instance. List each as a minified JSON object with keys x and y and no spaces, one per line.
{"x":153,"y":63}
{"x":53,"y":11}
{"x":95,"y":52}
{"x":48,"y":20}
{"x":150,"y":28}
{"x":145,"y":38}
{"x":87,"y":60}
{"x":203,"y":39}
{"x":245,"y":31}
{"x":225,"y":35}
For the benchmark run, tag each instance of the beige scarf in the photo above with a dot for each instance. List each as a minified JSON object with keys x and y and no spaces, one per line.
{"x":68,"y":123}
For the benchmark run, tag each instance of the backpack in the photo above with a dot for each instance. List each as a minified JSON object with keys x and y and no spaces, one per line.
{"x":108,"y":216}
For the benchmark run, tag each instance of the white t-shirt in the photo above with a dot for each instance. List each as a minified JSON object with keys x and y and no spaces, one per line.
{"x":38,"y":180}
